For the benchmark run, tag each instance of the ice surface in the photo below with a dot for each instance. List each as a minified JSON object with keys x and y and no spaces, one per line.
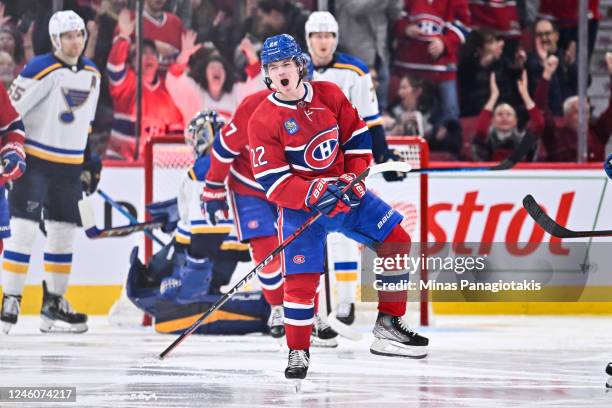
{"x":496,"y":361}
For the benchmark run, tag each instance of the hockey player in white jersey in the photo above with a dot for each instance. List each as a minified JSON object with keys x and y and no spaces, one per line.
{"x":56,"y":95}
{"x":353,"y":77}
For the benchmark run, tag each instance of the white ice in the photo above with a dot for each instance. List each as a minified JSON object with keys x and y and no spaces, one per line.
{"x":496,"y":361}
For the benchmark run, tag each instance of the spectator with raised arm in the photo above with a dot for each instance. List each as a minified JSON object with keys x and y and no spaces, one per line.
{"x":564,"y":81}
{"x":428,"y":39}
{"x":160,"y":116}
{"x":209,"y":83}
{"x":560,"y":139}
{"x":497,"y":131}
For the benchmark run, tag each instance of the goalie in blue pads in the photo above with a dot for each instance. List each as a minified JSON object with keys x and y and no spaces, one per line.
{"x":184,"y":278}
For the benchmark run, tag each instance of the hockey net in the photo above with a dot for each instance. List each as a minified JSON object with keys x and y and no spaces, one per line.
{"x":167,"y":159}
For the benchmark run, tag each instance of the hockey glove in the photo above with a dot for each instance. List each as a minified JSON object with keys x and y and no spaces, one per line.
{"x":90,"y":175}
{"x":393,"y":155}
{"x":356,"y":193}
{"x":326,"y":198}
{"x":166,"y":212}
{"x":213,"y":200}
{"x":608,"y":166}
{"x":13,"y":161}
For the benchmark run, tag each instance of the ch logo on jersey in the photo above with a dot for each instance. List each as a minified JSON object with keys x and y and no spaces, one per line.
{"x":321,"y":151}
{"x":429,"y":25}
{"x":74,"y":99}
{"x":291,"y":126}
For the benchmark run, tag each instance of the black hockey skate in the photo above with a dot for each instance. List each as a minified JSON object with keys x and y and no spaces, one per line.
{"x":393,"y":337}
{"x":58,"y":316}
{"x":297,"y":366}
{"x":322,"y":334}
{"x":11,"y":305}
{"x":276,"y":322}
{"x":346,"y":313}
{"x":609,"y":372}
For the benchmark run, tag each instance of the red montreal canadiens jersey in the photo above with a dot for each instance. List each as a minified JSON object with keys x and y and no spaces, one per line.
{"x":497,"y":15}
{"x":445,"y":19}
{"x":292,"y":144}
{"x":230,"y":152}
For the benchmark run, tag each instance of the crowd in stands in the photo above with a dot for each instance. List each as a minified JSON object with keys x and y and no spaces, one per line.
{"x":473,"y":77}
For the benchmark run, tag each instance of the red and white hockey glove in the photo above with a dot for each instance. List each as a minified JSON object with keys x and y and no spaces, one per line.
{"x":355,"y":193}
{"x":214,"y":202}
{"x":326,"y":198}
{"x":13,"y":161}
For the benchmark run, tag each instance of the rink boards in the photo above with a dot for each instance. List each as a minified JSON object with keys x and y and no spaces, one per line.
{"x":468,"y":207}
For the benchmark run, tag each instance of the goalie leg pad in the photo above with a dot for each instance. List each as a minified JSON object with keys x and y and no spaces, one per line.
{"x":189,"y":282}
{"x":145,"y":298}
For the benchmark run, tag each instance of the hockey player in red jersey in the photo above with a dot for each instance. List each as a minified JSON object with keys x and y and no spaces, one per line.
{"x":307,"y":142}
{"x":254,"y":215}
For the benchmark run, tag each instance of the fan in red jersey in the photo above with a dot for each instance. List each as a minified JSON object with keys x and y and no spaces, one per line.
{"x":307,"y":142}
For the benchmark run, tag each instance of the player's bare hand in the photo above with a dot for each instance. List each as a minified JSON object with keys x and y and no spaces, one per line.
{"x":436,"y":48}
{"x":550,"y":66}
{"x":413,"y":31}
{"x":125,"y":23}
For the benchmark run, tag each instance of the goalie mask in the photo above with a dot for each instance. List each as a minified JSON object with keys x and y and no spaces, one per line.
{"x":202,"y":130}
{"x":63,"y":22}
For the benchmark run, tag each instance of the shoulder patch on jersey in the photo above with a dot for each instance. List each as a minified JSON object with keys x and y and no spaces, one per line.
{"x":291,"y":126}
{"x":345,"y":61}
{"x":40,"y":66}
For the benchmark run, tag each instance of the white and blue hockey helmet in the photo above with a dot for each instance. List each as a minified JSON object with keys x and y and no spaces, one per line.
{"x":321,"y":22}
{"x":63,"y":22}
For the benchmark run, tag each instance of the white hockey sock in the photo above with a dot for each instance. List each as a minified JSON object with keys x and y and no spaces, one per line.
{"x":17,"y":255}
{"x":58,"y":255}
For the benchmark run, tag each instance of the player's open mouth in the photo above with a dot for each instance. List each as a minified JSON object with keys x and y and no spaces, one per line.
{"x":284,"y":82}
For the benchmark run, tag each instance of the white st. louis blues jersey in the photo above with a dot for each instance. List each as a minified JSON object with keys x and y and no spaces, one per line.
{"x":352,"y":76}
{"x":57,"y":103}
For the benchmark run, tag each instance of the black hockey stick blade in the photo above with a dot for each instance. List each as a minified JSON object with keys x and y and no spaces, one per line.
{"x":552,"y":227}
{"x":516,"y":156}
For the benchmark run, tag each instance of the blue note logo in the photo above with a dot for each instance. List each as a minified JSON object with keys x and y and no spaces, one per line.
{"x":291,"y":126}
{"x":74,"y":99}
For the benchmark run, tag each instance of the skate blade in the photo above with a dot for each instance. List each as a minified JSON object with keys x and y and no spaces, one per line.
{"x":342,"y":329}
{"x":391,"y":348}
{"x":57,"y":326}
{"x":324,"y":343}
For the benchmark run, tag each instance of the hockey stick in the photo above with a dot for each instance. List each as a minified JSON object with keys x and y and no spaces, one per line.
{"x":88,"y":220}
{"x":378,"y":168}
{"x":549,"y":225}
{"x":131,"y":218}
{"x":516,"y":156}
